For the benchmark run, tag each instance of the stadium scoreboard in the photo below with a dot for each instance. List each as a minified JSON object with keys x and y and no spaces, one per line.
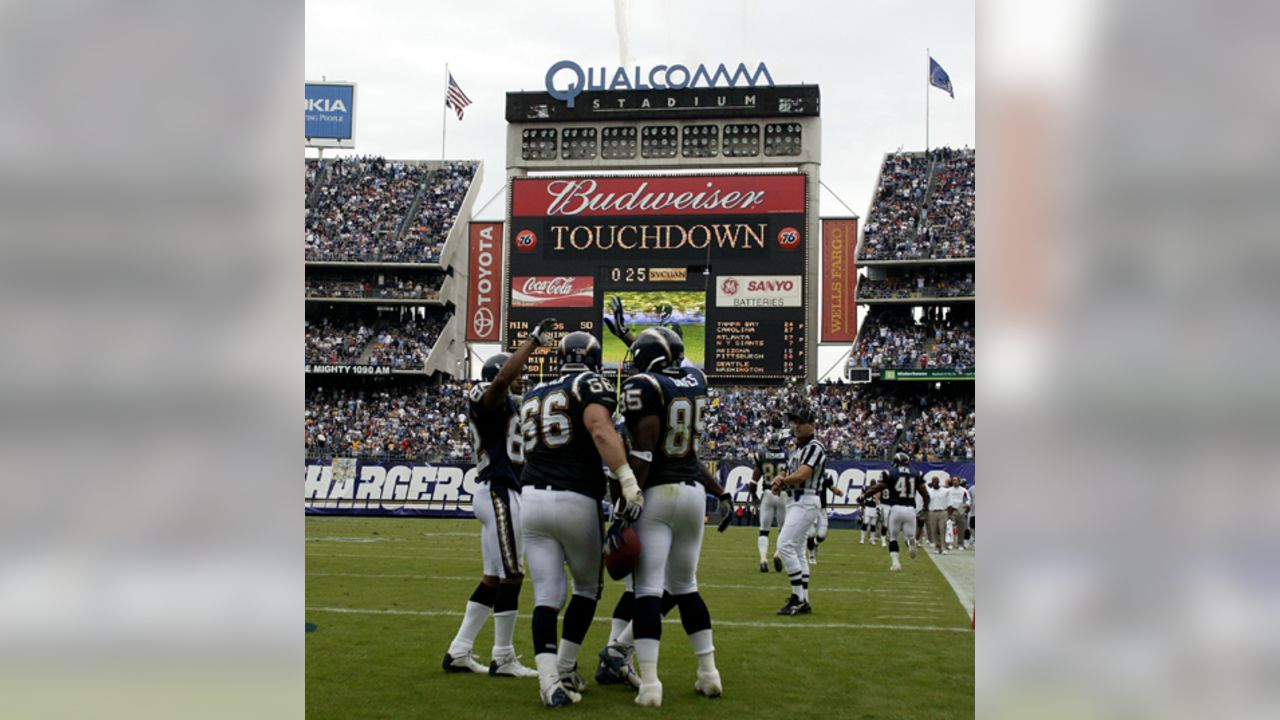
{"x":691,"y":208}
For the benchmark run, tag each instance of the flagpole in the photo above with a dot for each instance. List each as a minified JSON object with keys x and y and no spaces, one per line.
{"x":928,"y":70}
{"x":444,"y":124}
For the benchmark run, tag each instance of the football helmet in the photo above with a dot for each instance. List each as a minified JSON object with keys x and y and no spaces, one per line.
{"x":775,"y":441}
{"x":493,"y":365}
{"x":580,"y":348}
{"x":901,"y":459}
{"x":652,"y":350}
{"x":676,"y":341}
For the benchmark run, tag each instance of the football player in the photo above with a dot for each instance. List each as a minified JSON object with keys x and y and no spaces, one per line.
{"x":770,"y":462}
{"x":496,"y":443}
{"x":900,"y":485}
{"x":870,"y":518}
{"x":818,"y":531}
{"x":663,"y":405}
{"x":567,"y":425}
{"x":616,"y":321}
{"x":806,"y":471}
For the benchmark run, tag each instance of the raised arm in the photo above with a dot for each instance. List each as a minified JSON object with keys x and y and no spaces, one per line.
{"x":511,"y":369}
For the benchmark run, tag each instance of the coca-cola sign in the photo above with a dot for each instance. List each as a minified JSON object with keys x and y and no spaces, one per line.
{"x":658,"y":196}
{"x":552,"y":291}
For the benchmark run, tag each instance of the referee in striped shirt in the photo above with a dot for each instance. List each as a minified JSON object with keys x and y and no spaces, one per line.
{"x":806,"y":470}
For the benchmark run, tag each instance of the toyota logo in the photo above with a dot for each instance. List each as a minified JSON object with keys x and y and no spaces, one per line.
{"x":482,"y":322}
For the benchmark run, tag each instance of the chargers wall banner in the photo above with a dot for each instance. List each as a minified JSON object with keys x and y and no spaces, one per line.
{"x":350,"y":486}
{"x":839,"y":280}
{"x":484,"y":282}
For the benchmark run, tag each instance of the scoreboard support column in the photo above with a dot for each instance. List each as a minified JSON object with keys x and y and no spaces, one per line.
{"x":813,"y":262}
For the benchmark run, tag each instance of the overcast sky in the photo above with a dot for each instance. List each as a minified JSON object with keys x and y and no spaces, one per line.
{"x":868,"y":56}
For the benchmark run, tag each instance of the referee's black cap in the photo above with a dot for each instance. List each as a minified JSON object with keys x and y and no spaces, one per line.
{"x":803,"y":414}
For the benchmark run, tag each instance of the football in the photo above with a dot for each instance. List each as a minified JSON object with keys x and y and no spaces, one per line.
{"x":624,"y":559}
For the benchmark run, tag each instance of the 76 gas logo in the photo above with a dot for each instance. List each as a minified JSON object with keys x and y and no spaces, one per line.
{"x":788,"y":238}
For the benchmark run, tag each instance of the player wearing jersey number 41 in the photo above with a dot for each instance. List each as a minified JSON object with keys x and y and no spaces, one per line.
{"x":569,"y":438}
{"x":496,"y":444}
{"x":899,"y":485}
{"x":664,"y":406}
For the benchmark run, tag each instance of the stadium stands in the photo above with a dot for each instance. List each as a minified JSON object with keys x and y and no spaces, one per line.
{"x":918,"y":283}
{"x":427,"y":422}
{"x":363,"y":206}
{"x":375,"y":285}
{"x":923,"y":208}
{"x":400,"y":344}
{"x":894,"y":338}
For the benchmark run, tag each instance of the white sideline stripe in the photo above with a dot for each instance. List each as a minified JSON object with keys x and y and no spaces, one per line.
{"x":910,"y":597}
{"x":720,"y":623}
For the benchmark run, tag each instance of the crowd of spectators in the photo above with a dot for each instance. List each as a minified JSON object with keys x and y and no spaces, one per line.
{"x":943,"y":429}
{"x":418,"y":421}
{"x":332,"y":341}
{"x":949,"y":222}
{"x":899,"y":340}
{"x":923,"y":207}
{"x":439,"y":205}
{"x":423,"y":421}
{"x":924,"y":282}
{"x":406,"y":346}
{"x":893,"y":222}
{"x":376,"y":285}
{"x":360,"y":210}
{"x":312,"y":177}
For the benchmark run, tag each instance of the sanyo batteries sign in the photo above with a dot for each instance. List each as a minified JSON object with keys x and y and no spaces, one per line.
{"x":330,"y":115}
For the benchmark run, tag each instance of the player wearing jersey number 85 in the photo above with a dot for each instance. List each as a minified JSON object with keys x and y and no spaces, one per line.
{"x":664,"y":407}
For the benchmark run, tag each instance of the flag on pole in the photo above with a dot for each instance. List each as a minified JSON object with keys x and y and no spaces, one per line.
{"x":937,"y":78}
{"x":455,"y":98}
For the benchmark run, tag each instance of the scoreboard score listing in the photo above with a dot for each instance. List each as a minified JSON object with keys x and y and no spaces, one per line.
{"x":736,"y":242}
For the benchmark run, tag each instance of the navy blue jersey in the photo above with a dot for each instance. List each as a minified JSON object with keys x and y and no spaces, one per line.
{"x":558,"y":449}
{"x":900,"y":485}
{"x":826,"y":486}
{"x":495,"y":439}
{"x":770,"y":463}
{"x":678,"y":397}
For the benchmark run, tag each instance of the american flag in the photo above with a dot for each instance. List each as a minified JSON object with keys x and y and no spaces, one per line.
{"x":455,"y":98}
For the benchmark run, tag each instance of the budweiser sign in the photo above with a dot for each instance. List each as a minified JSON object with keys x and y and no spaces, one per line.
{"x":672,"y":195}
{"x":560,"y":291}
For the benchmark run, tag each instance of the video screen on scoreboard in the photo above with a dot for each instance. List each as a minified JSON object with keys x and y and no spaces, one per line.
{"x":727,"y":254}
{"x":682,"y":311}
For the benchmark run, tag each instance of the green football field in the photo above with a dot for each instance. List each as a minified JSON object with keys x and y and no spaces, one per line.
{"x":386,"y":596}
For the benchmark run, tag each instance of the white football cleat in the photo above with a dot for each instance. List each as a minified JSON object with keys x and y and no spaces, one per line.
{"x":463,"y":663}
{"x":912,"y":551}
{"x":573,"y":681}
{"x":709,"y":684}
{"x":510,"y":667}
{"x":650,"y":694}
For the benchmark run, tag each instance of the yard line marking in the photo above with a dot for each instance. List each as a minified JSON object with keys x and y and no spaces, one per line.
{"x":721,"y":623}
{"x":908,"y":596}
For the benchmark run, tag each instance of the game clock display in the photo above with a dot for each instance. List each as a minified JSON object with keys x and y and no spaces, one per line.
{"x":721,"y":259}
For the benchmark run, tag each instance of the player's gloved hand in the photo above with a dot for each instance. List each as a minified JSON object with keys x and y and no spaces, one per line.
{"x":725,"y":508}
{"x":614,"y":539}
{"x":542,"y":332}
{"x":615,"y":320}
{"x":632,"y":499}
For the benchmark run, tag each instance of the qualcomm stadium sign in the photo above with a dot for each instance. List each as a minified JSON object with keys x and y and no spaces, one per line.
{"x":658,"y":77}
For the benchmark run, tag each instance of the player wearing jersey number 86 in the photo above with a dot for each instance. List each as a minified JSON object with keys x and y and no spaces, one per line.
{"x":567,"y":426}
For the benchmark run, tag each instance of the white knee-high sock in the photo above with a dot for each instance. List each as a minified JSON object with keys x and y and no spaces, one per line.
{"x":647,"y":659}
{"x":763,"y":543}
{"x":704,"y":650}
{"x":504,"y":628}
{"x":472,"y":621}
{"x":567,"y":657}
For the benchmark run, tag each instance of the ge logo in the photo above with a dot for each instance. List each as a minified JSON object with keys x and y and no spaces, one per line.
{"x":526,"y":240}
{"x":788,"y":238}
{"x":729,"y":286}
{"x":482,"y":322}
